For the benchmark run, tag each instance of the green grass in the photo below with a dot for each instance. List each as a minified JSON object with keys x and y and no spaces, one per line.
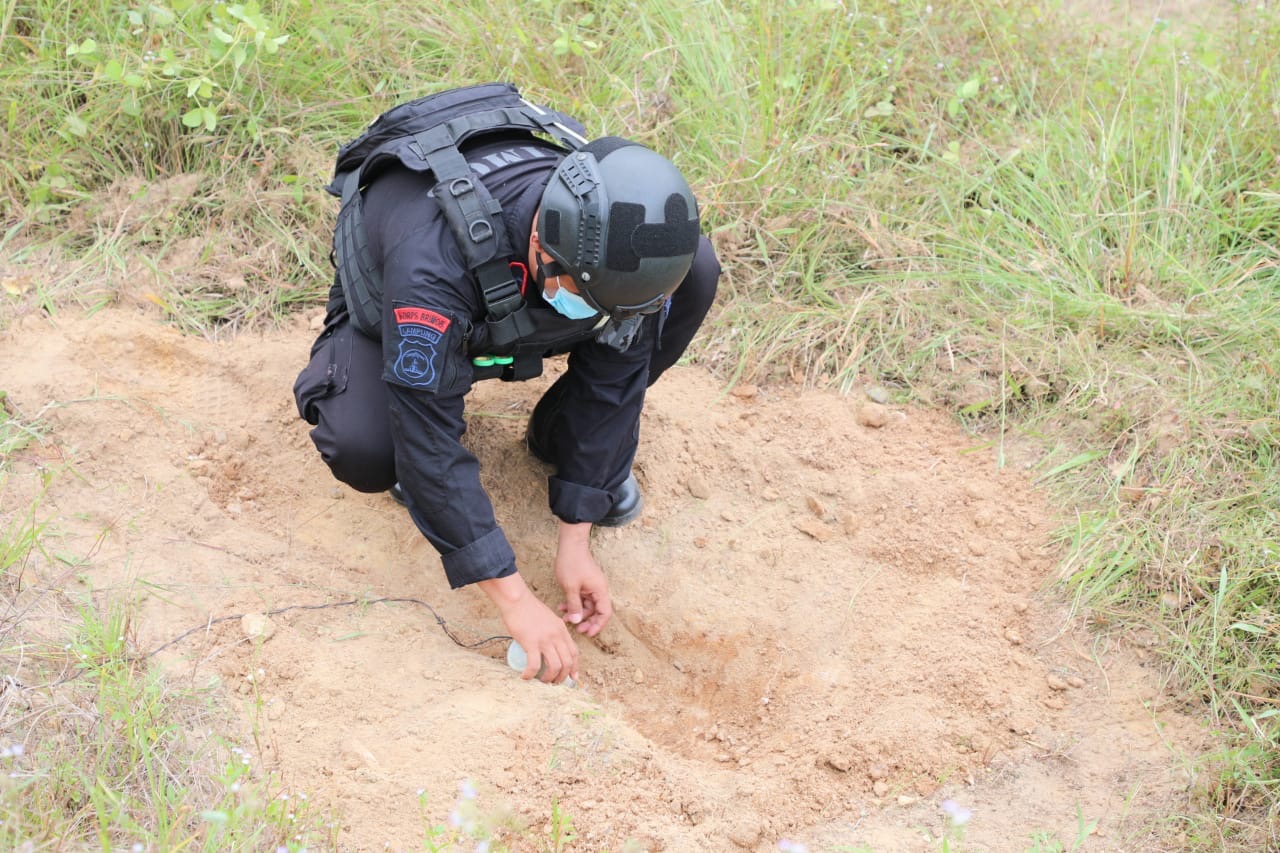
{"x":1068,"y":241}
{"x":100,"y":751}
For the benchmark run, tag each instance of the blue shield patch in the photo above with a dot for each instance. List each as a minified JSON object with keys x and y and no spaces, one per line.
{"x":418,"y":359}
{"x":416,"y":364}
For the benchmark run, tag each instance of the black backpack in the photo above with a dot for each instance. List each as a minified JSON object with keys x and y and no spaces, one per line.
{"x":424,"y":135}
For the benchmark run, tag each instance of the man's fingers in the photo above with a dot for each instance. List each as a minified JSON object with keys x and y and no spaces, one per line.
{"x":551,"y":671}
{"x":572,"y":605}
{"x":603,"y":610}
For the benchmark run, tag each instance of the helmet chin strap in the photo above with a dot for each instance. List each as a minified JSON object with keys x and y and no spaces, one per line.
{"x":554,"y":269}
{"x":546,"y":271}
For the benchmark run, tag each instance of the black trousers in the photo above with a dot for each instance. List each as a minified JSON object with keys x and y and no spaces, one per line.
{"x":342,"y":394}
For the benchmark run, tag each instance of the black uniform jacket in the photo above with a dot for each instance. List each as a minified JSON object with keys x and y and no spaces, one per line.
{"x":433,"y":324}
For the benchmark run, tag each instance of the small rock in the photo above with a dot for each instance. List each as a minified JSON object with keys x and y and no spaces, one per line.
{"x":878,"y":773}
{"x":745,"y":392}
{"x":850,"y":522}
{"x":1013,"y":636}
{"x":814,"y":528}
{"x":1056,"y":682}
{"x":873,"y":415}
{"x":880,"y":789}
{"x":838,"y":762}
{"x":878,"y":394}
{"x":1076,"y":681}
{"x":638,"y":678}
{"x":698,"y":486}
{"x":1055,"y":703}
{"x":906,"y":800}
{"x":257,"y":626}
{"x":815,"y":506}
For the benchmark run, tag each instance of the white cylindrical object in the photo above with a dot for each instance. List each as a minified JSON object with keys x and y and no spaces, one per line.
{"x":518,"y":659}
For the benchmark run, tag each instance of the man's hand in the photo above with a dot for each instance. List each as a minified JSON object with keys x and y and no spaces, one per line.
{"x":553,"y":656}
{"x":586,"y":590}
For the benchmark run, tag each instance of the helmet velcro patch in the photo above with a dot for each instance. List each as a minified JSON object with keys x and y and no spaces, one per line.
{"x":631,"y":238}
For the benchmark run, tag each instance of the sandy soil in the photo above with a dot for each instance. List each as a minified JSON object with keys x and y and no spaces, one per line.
{"x":831,"y":615}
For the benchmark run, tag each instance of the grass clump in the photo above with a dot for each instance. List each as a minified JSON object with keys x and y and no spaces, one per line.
{"x":100,"y":752}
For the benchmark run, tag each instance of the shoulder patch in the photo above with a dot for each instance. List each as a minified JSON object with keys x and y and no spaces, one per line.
{"x":409,"y":316}
{"x":417,"y":360}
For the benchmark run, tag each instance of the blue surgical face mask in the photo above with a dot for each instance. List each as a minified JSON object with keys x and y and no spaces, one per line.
{"x":570,"y":304}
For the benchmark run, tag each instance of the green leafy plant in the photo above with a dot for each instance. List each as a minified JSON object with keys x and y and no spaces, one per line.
{"x":965,"y":92}
{"x":188,"y":53}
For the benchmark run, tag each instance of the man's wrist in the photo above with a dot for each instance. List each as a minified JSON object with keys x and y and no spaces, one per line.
{"x":506,"y":592}
{"x":575,"y":534}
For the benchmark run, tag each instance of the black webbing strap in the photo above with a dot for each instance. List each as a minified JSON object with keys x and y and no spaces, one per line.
{"x":475,"y":219}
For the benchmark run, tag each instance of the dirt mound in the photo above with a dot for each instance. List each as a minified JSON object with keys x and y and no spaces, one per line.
{"x":830,"y":614}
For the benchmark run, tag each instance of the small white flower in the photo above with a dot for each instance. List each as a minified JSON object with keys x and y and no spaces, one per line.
{"x":792,"y":847}
{"x":466,"y":790}
{"x":959,"y":814}
{"x":137,"y":847}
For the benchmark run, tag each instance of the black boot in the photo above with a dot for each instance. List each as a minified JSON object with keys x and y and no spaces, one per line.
{"x":627,"y":504}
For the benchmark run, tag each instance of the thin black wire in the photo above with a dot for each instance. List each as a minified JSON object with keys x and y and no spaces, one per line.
{"x":444,"y":626}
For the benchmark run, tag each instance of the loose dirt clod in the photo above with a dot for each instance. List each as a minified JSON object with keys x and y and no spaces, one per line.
{"x":698,"y":486}
{"x":873,"y":415}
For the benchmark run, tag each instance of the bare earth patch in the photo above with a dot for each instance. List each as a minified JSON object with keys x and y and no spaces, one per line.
{"x":826,"y":626}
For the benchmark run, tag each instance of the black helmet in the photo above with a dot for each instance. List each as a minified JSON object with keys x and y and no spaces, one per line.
{"x":623,"y":222}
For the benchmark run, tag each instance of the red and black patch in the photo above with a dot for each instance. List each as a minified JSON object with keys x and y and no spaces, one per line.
{"x":410,"y":316}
